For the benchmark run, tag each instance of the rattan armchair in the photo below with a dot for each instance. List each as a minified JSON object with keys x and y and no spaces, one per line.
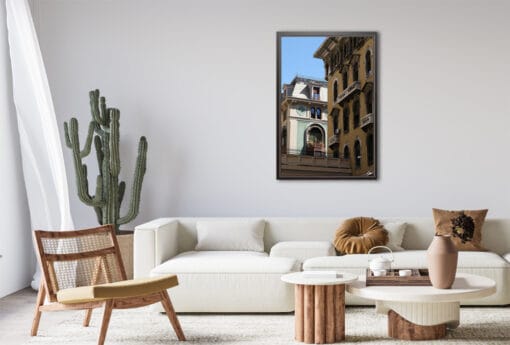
{"x":83,"y":269}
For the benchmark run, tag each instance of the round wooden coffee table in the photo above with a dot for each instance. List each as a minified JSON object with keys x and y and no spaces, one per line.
{"x":320,"y":307}
{"x":423,"y":312}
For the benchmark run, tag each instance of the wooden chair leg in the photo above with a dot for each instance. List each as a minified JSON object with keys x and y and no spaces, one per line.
{"x":108,"y":307}
{"x":170,"y":312}
{"x":41,"y":295}
{"x":88,"y":315}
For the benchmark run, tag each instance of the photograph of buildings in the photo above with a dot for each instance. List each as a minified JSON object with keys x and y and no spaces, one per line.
{"x":326,"y":113}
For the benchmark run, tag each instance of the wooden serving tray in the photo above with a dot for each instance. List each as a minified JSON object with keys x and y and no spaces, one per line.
{"x":419,"y":277}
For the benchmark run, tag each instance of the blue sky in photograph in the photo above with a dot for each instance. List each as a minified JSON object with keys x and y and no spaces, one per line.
{"x":297,"y":58}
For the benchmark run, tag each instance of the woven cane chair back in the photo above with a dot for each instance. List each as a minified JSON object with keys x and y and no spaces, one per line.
{"x":72,"y":259}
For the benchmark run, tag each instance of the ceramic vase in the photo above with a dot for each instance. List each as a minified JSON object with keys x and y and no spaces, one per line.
{"x":442,"y":257}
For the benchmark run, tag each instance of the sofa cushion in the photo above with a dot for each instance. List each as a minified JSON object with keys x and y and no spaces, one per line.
{"x":467,"y":224}
{"x":405,"y":259}
{"x":120,"y":289}
{"x":396,"y":232}
{"x":358,"y":235}
{"x":225,"y":262}
{"x":302,"y":250}
{"x":243,"y":234}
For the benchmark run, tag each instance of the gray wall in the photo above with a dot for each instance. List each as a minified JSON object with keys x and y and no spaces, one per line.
{"x":198,"y":79}
{"x":17,"y":262}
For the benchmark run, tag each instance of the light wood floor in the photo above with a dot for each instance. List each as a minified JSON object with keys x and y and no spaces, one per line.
{"x":16,"y":313}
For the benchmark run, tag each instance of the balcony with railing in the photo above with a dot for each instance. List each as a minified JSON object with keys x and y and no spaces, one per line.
{"x":367,"y":120}
{"x":349,"y":91}
{"x":332,"y":140}
{"x":324,"y":161}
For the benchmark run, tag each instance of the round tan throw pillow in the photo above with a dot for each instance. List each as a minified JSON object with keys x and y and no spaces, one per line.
{"x":358,"y":235}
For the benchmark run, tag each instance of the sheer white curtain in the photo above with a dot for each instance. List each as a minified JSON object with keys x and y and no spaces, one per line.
{"x":43,"y":161}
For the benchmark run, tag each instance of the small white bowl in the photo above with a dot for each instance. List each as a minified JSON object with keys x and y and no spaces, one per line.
{"x":405,"y":273}
{"x":379,"y":273}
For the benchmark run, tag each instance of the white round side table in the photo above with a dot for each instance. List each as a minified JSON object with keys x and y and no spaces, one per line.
{"x":319,"y":307}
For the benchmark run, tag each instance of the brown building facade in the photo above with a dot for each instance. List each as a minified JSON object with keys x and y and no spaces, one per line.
{"x":349,"y":63}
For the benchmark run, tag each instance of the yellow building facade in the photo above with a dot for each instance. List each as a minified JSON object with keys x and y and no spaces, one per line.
{"x":349,"y":63}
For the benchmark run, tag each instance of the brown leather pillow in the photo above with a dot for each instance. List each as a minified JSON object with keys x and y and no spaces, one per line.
{"x":358,"y":235}
{"x":446,"y":221}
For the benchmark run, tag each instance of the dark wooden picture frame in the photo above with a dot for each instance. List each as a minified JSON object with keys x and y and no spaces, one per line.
{"x":326,"y":124}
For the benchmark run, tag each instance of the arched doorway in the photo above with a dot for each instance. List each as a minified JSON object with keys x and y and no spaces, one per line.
{"x":315,"y":135}
{"x":315,"y":141}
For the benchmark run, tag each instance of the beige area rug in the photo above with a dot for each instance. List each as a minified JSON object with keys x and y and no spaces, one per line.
{"x":363,"y":326}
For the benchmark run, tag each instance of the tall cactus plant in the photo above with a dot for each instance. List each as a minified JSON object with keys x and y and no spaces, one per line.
{"x":104,"y":131}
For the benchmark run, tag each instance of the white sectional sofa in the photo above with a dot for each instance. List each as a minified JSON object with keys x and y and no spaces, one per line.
{"x":244,"y":281}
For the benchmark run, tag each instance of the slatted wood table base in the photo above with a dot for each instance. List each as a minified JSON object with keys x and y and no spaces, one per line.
{"x":400,"y":328}
{"x":320,"y":313}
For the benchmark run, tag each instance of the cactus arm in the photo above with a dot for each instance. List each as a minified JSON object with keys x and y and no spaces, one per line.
{"x":88,"y":143}
{"x":66,"y":135}
{"x":114,"y":164}
{"x":74,"y":127}
{"x":83,"y":190}
{"x":104,"y":110}
{"x":80,"y":168}
{"x":94,"y":108}
{"x":120,"y":196}
{"x":82,"y":186}
{"x":141,"y":163}
{"x":82,"y":183}
{"x":107,"y":217}
{"x":107,"y":117}
{"x":114,"y":142}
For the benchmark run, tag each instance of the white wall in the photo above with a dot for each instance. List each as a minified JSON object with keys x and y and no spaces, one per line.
{"x":17,"y":262}
{"x":198,"y":79}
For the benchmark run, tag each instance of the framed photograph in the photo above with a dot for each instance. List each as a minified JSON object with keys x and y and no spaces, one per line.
{"x":326,"y":105}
